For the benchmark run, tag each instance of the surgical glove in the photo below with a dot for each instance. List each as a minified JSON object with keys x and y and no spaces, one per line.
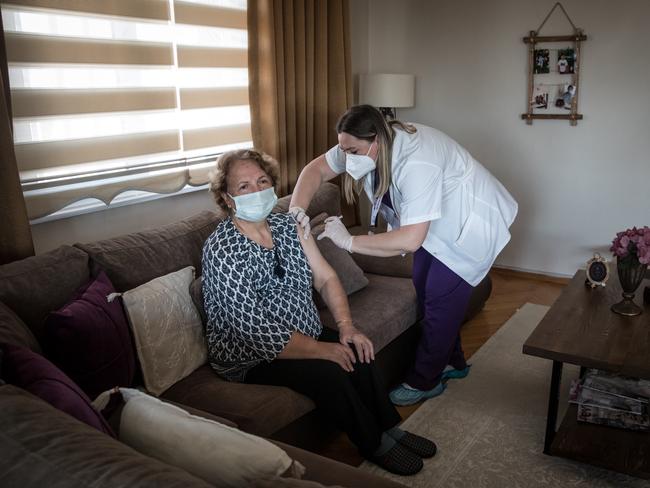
{"x":336,"y":231}
{"x":302,"y":219}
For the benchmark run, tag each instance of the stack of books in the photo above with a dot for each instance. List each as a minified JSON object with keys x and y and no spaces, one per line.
{"x":609,"y":399}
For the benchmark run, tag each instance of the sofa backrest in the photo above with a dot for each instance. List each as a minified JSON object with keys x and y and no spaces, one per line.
{"x":34,"y":286}
{"x":14,"y":331}
{"x":327,"y":199}
{"x":134,"y":259}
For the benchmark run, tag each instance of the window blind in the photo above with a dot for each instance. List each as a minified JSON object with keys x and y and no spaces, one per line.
{"x":117,"y":95}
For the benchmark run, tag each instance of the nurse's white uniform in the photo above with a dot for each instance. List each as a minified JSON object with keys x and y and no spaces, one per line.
{"x":435,"y":179}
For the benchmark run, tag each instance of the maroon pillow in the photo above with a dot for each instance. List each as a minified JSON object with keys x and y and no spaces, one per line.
{"x":89,"y":339}
{"x":32,"y":372}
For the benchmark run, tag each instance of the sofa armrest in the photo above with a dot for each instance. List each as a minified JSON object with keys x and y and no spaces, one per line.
{"x":42,"y":446}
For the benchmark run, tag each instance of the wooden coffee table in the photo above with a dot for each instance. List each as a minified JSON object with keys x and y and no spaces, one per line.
{"x":581,"y":329}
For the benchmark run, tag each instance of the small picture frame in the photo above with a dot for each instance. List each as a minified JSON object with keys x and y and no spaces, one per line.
{"x":597,"y":272}
{"x":566,"y":61}
{"x":542,"y":61}
{"x":539,"y":101}
{"x":565,"y":96}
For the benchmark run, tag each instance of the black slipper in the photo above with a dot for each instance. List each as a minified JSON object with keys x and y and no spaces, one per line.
{"x":424,"y":448}
{"x":399,"y":460}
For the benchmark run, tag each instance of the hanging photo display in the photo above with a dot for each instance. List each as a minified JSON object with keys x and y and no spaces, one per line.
{"x":554,"y":63}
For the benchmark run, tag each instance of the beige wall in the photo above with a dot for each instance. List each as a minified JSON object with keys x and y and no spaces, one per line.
{"x":576,"y":186}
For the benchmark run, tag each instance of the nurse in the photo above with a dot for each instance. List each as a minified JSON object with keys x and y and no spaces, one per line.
{"x":440,"y":204}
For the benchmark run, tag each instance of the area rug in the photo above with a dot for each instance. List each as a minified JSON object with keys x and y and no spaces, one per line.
{"x":489,"y":427}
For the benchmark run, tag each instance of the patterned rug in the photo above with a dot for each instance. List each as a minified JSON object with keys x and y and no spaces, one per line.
{"x":489,"y":427}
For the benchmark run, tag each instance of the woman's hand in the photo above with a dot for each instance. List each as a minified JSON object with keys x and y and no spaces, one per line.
{"x":336,"y":231}
{"x":302,"y":219}
{"x":337,"y":353}
{"x":349,"y":334}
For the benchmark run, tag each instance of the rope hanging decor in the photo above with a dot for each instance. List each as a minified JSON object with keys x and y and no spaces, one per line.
{"x":565,"y":67}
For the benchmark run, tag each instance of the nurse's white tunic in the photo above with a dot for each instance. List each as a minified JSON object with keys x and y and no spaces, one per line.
{"x":435,"y":179}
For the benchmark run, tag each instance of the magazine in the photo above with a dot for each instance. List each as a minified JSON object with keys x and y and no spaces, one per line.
{"x":607,"y":399}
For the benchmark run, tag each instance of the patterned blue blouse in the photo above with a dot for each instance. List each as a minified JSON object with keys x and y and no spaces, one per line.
{"x":251,"y":311}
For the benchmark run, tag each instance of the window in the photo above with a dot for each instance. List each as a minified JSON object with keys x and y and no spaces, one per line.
{"x":112,"y":96}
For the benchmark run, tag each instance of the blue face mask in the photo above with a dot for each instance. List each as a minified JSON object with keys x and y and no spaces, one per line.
{"x":255,"y":207}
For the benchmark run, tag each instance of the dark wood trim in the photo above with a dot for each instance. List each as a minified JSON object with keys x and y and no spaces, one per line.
{"x":569,"y":38}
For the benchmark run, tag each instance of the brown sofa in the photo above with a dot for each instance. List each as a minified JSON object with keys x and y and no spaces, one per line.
{"x":385,"y":310}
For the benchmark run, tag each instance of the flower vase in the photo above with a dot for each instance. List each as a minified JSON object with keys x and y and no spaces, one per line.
{"x":630,"y":274}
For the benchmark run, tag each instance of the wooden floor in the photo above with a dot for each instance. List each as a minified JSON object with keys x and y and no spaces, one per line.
{"x":510,"y":291}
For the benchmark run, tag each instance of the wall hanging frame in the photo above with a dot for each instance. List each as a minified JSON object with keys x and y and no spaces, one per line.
{"x":554,"y":73}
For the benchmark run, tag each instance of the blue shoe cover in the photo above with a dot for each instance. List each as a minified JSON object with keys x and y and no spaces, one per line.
{"x":403,"y":395}
{"x":453,"y":373}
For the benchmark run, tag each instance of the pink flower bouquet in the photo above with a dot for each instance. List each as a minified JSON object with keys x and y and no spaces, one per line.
{"x":632,"y":243}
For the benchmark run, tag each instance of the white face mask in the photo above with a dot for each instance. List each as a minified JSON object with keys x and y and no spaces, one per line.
{"x":255,"y":207}
{"x":359,"y":165}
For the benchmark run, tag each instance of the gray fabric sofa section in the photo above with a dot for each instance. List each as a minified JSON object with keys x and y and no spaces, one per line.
{"x":14,"y":331}
{"x":134,"y":259}
{"x":258,"y":409}
{"x":382,"y":310}
{"x":41,"y":446}
{"x":35,"y":286}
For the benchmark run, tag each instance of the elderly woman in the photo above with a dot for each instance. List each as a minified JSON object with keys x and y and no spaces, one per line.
{"x":263,"y":327}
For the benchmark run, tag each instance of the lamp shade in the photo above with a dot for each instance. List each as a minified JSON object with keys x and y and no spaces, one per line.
{"x":387,"y":90}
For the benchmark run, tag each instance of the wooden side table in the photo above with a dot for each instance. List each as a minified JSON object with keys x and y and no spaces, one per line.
{"x":580,"y":329}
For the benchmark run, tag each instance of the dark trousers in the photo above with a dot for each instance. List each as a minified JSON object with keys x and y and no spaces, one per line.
{"x":356,"y":402}
{"x":443,"y":297}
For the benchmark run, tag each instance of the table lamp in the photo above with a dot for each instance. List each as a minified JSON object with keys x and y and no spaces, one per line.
{"x":387,"y":92}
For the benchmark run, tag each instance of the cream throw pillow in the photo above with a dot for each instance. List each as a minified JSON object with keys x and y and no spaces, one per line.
{"x":219,"y":454}
{"x":167,"y":328}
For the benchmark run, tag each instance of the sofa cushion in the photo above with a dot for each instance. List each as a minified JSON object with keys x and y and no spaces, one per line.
{"x":32,"y":372}
{"x":89,"y":339}
{"x":14,"y":331}
{"x":382,"y":310}
{"x":168,"y":332}
{"x":41,"y":446}
{"x":34,"y":286}
{"x":397,"y":266}
{"x":351,"y":276}
{"x":258,"y":409}
{"x":217,"y":453}
{"x":134,"y":259}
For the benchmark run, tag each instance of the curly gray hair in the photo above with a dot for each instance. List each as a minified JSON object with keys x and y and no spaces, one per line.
{"x":219,"y":175}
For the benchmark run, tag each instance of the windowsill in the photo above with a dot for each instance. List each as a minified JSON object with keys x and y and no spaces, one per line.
{"x":91,"y":205}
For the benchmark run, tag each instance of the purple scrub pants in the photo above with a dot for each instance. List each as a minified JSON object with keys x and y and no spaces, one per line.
{"x":442,"y":300}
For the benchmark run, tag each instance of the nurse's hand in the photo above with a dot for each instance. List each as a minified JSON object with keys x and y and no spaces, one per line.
{"x":302,"y":219}
{"x":336,"y":231}
{"x":349,"y":334}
